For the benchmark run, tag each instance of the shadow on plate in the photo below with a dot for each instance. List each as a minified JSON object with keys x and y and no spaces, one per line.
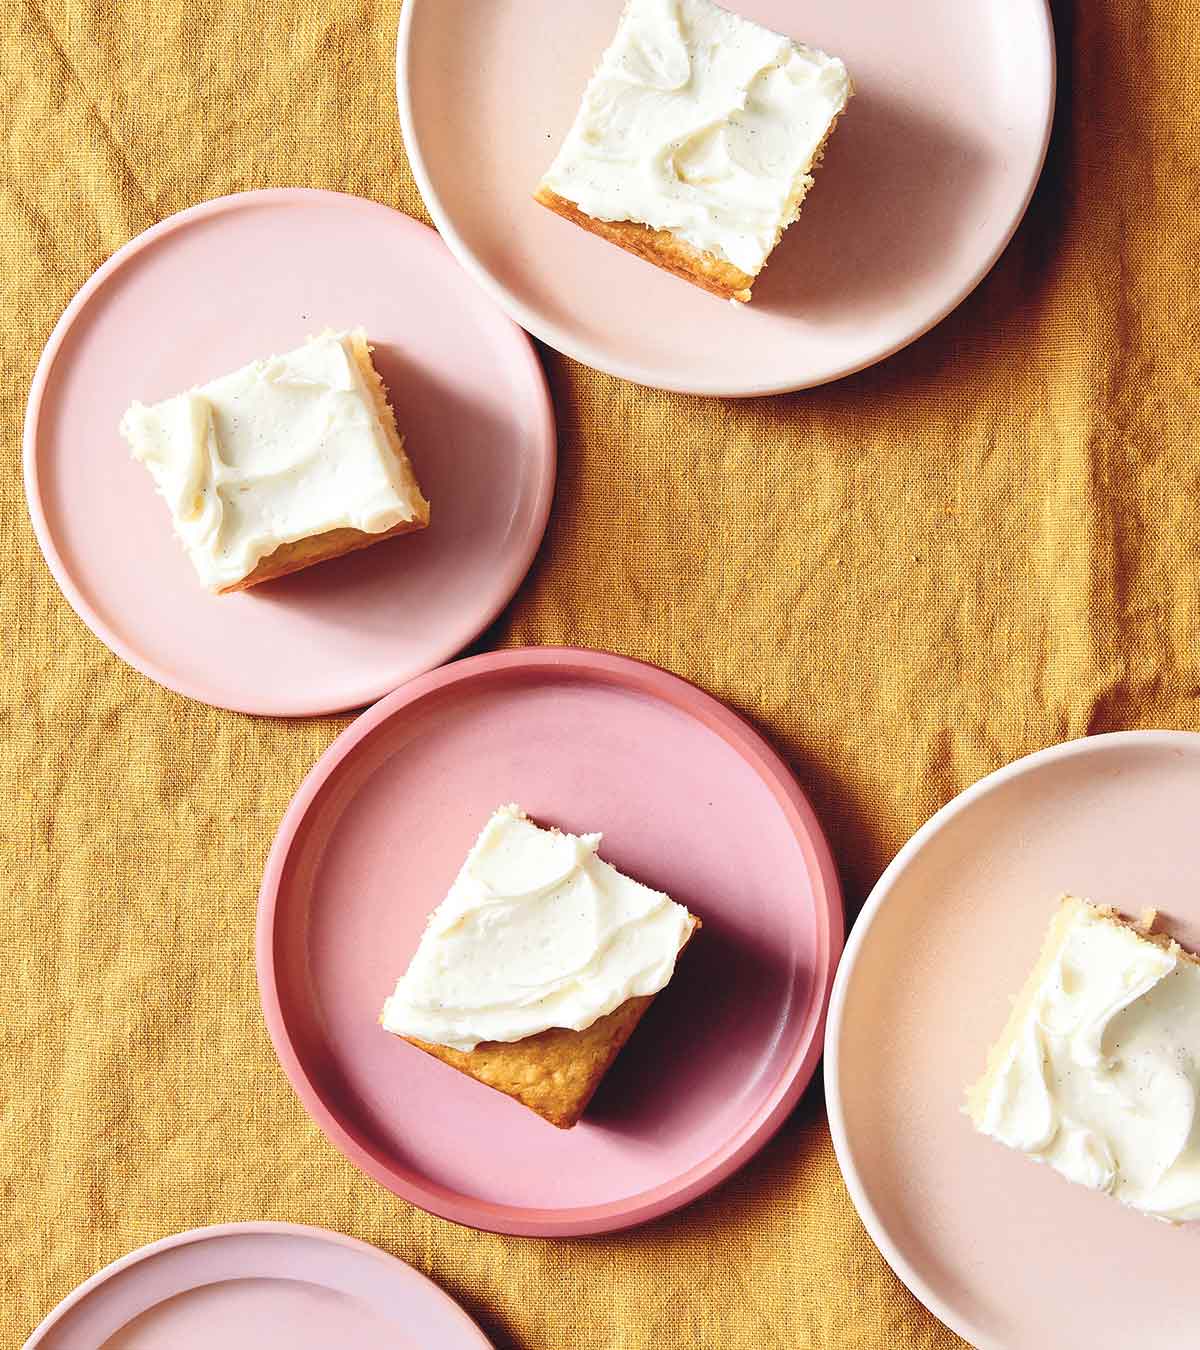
{"x":888,"y":203}
{"x":724,"y":979}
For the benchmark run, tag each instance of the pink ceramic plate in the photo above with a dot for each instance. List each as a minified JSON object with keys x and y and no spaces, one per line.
{"x":238,"y":278}
{"x":926,"y":178}
{"x":690,"y":800}
{"x":1007,"y":1253}
{"x":258,"y":1286}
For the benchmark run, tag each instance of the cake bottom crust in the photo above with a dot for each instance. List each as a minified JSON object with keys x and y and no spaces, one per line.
{"x":555,"y":1073}
{"x":660,"y":247}
{"x":317,"y":548}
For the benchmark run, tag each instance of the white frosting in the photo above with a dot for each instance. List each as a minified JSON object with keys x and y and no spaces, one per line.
{"x":536,"y":932}
{"x":1103,"y":1078}
{"x":280,"y":450}
{"x":700,"y":122}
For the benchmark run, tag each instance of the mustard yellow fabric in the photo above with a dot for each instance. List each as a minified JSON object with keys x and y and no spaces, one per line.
{"x":983,"y":546}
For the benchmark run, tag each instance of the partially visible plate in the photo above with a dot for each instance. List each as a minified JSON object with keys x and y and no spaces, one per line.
{"x":257,"y":1286}
{"x":242,"y":277}
{"x":1008,"y":1254}
{"x":690,"y":800}
{"x":925,"y":180}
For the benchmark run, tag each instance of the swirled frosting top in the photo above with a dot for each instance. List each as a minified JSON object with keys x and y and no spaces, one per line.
{"x":280,"y":450}
{"x":1099,"y":1071}
{"x":703,"y":123}
{"x":536,"y":932}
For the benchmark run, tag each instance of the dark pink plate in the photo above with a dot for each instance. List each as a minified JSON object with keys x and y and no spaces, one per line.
{"x":258,"y":1286}
{"x":690,"y":800}
{"x":242,"y":277}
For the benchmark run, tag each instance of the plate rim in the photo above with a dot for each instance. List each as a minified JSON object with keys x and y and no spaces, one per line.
{"x":554,"y":336}
{"x":629,"y":1211}
{"x":877,"y":1230}
{"x":543,"y":436}
{"x":251,"y":1228}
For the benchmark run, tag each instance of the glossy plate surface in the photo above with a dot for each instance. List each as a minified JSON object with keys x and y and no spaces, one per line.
{"x":925,"y":179}
{"x":1009,"y":1254}
{"x":690,"y":800}
{"x":243,"y":277}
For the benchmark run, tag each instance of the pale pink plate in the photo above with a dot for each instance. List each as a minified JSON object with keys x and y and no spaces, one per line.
{"x":1007,"y":1253}
{"x":690,"y":800}
{"x":242,"y":277}
{"x":925,"y":180}
{"x":258,"y":1286}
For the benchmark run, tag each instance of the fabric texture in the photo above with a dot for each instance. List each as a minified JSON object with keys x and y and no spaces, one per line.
{"x":982,"y":546}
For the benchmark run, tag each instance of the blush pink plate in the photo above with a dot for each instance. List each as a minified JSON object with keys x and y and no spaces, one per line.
{"x":258,"y":1286}
{"x":1007,"y":1253}
{"x":924,"y":182}
{"x":690,"y":799}
{"x":243,"y":277}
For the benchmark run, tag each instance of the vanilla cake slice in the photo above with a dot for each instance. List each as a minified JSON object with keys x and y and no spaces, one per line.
{"x":287,"y":462}
{"x":1098,"y":1071}
{"x":537,"y":966}
{"x":695,"y":143}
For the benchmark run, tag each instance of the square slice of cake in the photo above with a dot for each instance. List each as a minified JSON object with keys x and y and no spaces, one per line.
{"x":1098,"y":1071}
{"x":285,"y":463}
{"x":537,"y":966}
{"x":696,"y":141}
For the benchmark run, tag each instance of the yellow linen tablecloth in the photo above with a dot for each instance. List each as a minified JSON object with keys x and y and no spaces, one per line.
{"x":983,"y":546}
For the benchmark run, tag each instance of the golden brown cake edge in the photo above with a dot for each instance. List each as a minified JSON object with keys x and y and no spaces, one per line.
{"x":659,"y":247}
{"x":557,"y":1072}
